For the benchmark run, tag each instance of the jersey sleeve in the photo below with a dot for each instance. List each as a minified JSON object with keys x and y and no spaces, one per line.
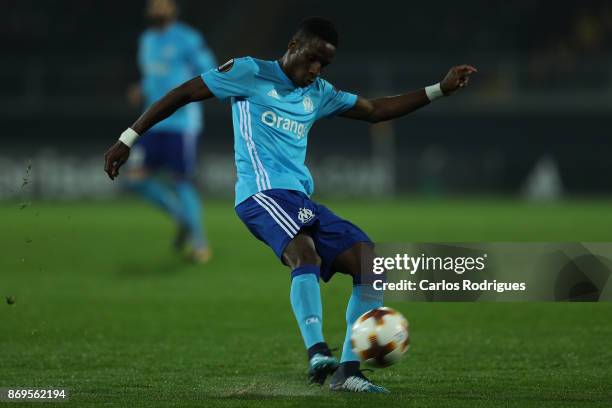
{"x":334,"y":102}
{"x":234,"y":78}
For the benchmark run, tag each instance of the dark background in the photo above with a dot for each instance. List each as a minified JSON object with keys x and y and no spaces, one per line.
{"x":543,"y":93}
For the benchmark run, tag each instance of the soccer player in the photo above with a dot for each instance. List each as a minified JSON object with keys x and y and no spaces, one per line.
{"x":274,"y":105}
{"x":170,"y":53}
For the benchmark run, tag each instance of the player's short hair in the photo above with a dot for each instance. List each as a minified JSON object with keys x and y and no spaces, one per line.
{"x":318,"y":27}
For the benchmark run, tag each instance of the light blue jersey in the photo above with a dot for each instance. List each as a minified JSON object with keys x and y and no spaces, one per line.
{"x":167,"y":58}
{"x":271,"y":120}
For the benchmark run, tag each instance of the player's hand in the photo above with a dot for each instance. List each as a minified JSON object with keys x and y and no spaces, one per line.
{"x":458,"y":77}
{"x":114,"y":158}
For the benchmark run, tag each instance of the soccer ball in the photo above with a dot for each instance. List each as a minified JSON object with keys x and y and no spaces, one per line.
{"x":380,"y":337}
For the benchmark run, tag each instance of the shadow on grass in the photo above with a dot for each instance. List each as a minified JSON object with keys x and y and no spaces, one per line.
{"x":168,"y":266}
{"x":286,"y":391}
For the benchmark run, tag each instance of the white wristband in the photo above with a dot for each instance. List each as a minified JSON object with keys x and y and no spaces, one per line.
{"x":434,"y":92}
{"x":128,"y":137}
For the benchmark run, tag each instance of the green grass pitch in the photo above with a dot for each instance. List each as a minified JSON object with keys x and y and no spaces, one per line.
{"x":106,"y":310}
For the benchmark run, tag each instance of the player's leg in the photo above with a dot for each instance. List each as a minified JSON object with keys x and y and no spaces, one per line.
{"x":357,"y":262}
{"x":181,"y":158}
{"x":192,"y":210}
{"x":345,"y":248}
{"x":301,"y":256}
{"x":273,"y":217}
{"x":140,"y":170}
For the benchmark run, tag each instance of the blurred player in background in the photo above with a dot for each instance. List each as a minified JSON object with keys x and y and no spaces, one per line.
{"x":274,"y":105}
{"x":170,"y":53}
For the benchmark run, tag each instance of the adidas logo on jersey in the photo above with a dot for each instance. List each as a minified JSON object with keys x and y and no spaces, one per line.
{"x":273,"y":94}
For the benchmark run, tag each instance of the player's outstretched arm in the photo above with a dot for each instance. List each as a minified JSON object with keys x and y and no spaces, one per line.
{"x":391,"y":107}
{"x":190,"y":91}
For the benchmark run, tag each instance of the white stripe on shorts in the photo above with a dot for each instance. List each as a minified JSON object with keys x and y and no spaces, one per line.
{"x":274,"y":214}
{"x":270,"y":200}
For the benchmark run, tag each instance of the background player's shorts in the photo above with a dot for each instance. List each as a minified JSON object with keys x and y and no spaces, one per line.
{"x":167,"y":150}
{"x":275,"y":217}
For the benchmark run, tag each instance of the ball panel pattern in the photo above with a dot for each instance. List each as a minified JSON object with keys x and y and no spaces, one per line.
{"x":380,"y":337}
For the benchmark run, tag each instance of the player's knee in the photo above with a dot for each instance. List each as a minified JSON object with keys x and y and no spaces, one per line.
{"x":301,"y":252}
{"x":358,"y":262}
{"x":369,"y":271}
{"x":309,"y":257}
{"x":305,"y":257}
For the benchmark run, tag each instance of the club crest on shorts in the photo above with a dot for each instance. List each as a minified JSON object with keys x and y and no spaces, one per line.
{"x":305,"y":215}
{"x":308,"y":105}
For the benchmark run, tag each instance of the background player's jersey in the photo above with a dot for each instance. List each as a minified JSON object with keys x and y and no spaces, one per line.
{"x":168,"y":58}
{"x":271,"y":120}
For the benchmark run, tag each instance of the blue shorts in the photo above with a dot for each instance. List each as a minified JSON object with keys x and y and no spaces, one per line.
{"x":167,"y":150}
{"x":275,"y":217}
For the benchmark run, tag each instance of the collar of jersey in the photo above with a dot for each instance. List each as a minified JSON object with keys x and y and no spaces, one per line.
{"x":284,"y":76}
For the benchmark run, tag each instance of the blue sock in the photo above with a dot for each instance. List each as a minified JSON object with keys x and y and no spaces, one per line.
{"x":192,"y":210}
{"x":306,"y":303}
{"x":159,"y":195}
{"x":363,"y":298}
